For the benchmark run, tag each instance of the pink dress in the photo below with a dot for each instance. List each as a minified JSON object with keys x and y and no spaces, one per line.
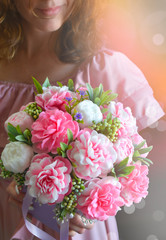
{"x":116,"y":72}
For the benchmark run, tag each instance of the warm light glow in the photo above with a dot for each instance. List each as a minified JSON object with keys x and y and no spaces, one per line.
{"x":139,"y":30}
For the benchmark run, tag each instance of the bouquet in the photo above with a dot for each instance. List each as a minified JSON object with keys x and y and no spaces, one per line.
{"x":78,"y":151}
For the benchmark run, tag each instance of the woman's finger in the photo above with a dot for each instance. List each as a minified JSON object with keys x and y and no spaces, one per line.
{"x":76,"y":229}
{"x":77,"y":226}
{"x":15,"y":192}
{"x":71,"y":234}
{"x":79,"y":223}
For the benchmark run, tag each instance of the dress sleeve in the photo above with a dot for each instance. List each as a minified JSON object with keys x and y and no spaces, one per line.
{"x":116,"y":72}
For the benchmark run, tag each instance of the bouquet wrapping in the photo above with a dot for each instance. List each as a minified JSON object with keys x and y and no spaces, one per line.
{"x":75,"y":151}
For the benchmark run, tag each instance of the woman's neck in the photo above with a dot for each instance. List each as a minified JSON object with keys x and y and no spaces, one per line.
{"x":36,"y":57}
{"x":36,"y":42}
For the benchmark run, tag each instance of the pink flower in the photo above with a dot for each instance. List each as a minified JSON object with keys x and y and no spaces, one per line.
{"x":100,"y":199}
{"x":50,"y":129}
{"x":135,"y":185}
{"x":92,"y":153}
{"x":128,"y":122}
{"x":124,"y":148}
{"x":137,"y":139}
{"x":48,"y":179}
{"x":54,"y":97}
{"x":20,"y":118}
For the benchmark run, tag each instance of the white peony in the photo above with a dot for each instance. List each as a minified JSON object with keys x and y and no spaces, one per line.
{"x":16,"y":156}
{"x":90,"y":112}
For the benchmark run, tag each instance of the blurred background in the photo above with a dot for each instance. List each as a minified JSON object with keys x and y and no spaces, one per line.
{"x":138,"y":29}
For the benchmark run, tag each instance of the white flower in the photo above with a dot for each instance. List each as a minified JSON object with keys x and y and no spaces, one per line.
{"x":90,"y":112}
{"x":16,"y":156}
{"x":55,"y":89}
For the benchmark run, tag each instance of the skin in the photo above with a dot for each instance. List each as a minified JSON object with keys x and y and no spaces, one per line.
{"x":40,"y":34}
{"x":40,"y":28}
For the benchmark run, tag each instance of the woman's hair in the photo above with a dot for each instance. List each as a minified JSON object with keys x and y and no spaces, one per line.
{"x":77,"y":39}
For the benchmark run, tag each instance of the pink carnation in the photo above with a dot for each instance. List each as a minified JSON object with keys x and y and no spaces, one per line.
{"x":20,"y":118}
{"x":54,"y":97}
{"x":135,"y":185}
{"x":48,"y":179}
{"x":128,"y":122}
{"x":100,"y":199}
{"x":50,"y":129}
{"x":92,"y":153}
{"x":137,"y":139}
{"x":124,"y":148}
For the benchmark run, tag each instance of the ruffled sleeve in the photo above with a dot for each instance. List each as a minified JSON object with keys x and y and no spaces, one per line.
{"x":12,"y":97}
{"x":116,"y":72}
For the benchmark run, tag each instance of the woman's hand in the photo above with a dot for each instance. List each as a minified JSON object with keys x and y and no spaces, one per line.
{"x":77,"y":226}
{"x":15,"y":194}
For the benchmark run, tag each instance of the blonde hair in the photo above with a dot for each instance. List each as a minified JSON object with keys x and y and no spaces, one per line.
{"x":77,"y":38}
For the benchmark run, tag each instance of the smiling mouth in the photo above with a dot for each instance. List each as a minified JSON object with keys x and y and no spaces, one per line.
{"x":48,"y":12}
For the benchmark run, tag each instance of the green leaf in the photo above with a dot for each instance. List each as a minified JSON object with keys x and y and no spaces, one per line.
{"x":121,"y":165}
{"x":67,"y":108}
{"x":104,"y":110}
{"x":106,"y":93}
{"x":97,"y":101}
{"x":96,"y":93}
{"x":69,"y":147}
{"x":46,"y":83}
{"x":139,"y":146}
{"x":112,"y":173}
{"x":145,"y":150}
{"x":107,"y":97}
{"x":60,"y":84}
{"x":69,"y":135}
{"x":64,"y":146}
{"x":12,"y":130}
{"x":37,"y":85}
{"x":109,"y":117}
{"x":59,"y":151}
{"x":11,"y":137}
{"x":113,"y":96}
{"x":64,"y":154}
{"x":90,"y":91}
{"x":18,"y":130}
{"x":136,"y":154}
{"x":64,"y":212}
{"x":126,"y":171}
{"x":100,"y":89}
{"x":74,"y":165}
{"x":71,"y":85}
{"x":147,"y":160}
{"x":27,"y":133}
{"x":144,"y":160}
{"x":20,"y":138}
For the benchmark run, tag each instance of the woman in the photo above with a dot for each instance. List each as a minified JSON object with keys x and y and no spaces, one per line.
{"x":58,"y":39}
